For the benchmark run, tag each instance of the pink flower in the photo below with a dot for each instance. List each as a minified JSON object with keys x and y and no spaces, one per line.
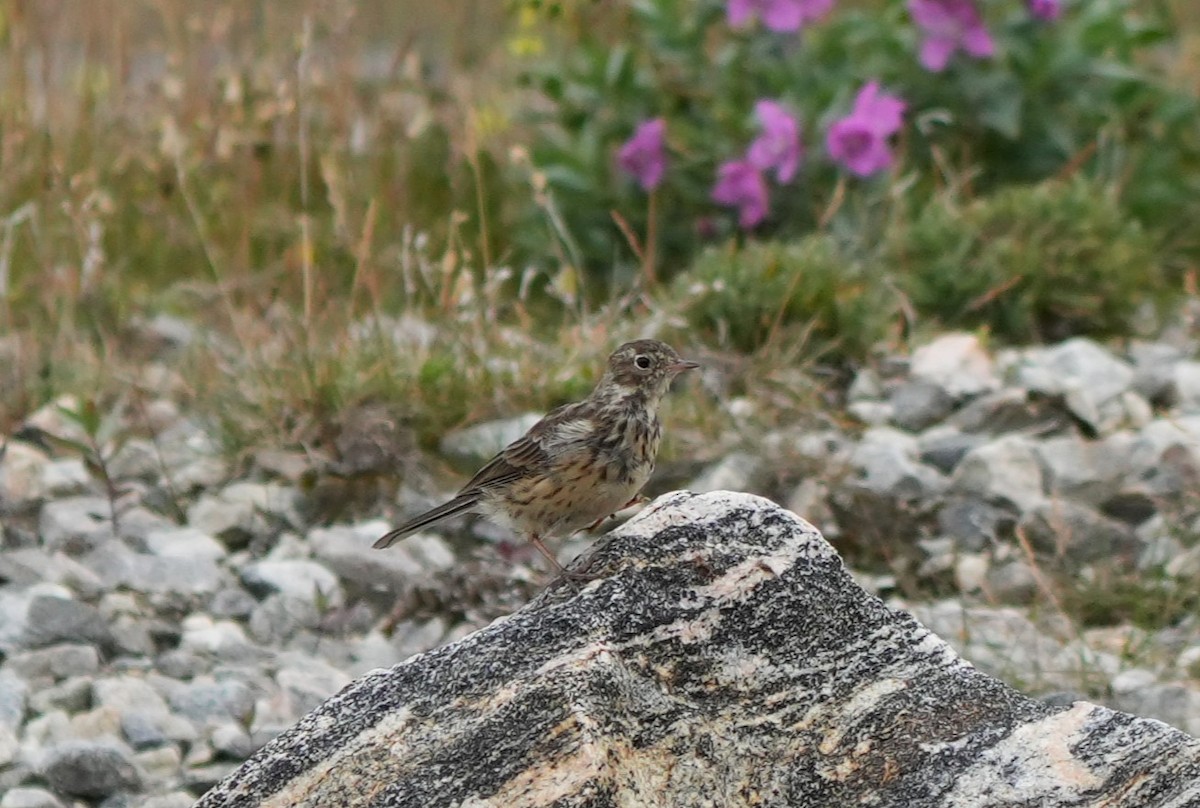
{"x":778,"y":147}
{"x":740,"y":184}
{"x":949,"y":26}
{"x":859,"y":140}
{"x":1047,"y":10}
{"x":644,"y":155}
{"x":778,"y":15}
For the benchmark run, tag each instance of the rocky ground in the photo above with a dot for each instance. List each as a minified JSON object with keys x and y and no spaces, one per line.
{"x":1036,"y":508}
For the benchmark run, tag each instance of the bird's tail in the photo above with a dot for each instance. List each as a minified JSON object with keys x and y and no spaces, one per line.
{"x":460,"y":504}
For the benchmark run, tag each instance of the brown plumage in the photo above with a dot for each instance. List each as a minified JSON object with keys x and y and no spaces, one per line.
{"x":579,"y":464}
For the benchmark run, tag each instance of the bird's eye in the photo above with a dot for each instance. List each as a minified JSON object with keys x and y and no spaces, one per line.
{"x":642,"y":361}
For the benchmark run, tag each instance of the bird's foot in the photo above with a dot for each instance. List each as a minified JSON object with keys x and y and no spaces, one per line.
{"x":574,"y":576}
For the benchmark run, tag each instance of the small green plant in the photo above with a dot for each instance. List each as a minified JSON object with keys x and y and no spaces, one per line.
{"x":1152,"y":602}
{"x":744,"y":295}
{"x":1039,"y":262}
{"x":102,"y":439}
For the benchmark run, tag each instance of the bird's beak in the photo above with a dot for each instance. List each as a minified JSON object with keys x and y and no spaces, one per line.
{"x":682,"y":365}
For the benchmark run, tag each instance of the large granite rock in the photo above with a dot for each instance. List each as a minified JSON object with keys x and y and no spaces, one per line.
{"x":722,"y":657}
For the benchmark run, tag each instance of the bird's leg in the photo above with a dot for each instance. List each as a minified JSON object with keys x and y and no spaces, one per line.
{"x":563,"y":571}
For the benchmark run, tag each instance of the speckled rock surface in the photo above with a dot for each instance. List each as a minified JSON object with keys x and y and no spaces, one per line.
{"x":722,"y":657}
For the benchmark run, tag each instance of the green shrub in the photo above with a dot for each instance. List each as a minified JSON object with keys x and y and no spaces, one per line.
{"x":744,"y":294}
{"x":1089,"y":93}
{"x":1040,"y":262}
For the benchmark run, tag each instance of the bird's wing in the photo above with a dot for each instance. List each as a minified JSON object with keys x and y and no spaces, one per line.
{"x":561,"y":430}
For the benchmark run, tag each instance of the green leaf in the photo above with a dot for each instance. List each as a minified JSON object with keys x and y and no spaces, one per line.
{"x":1002,"y":114}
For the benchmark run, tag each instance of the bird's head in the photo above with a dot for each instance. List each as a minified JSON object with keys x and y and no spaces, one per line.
{"x":642,"y":367}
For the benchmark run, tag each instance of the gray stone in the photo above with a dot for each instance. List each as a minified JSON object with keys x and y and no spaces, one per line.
{"x":477,"y":444}
{"x":1153,"y":371}
{"x":76,"y":524}
{"x":137,"y":523}
{"x":1005,"y":643}
{"x":29,"y":798}
{"x":364,"y":570}
{"x":14,"y":611}
{"x":244,"y":510}
{"x":223,"y":639}
{"x":1077,"y":533}
{"x":918,"y":404}
{"x":90,"y":769}
{"x":173,"y":799}
{"x":1133,"y":505}
{"x":871,"y":413}
{"x":297,"y":579}
{"x":14,"y":695}
{"x":829,"y":447}
{"x":22,"y":477}
{"x":278,"y":619}
{"x":232,"y":601}
{"x":939,"y":556}
{"x":418,"y":636}
{"x":1185,"y":379}
{"x":1086,"y":470}
{"x":1089,"y":378}
{"x":180,"y":577}
{"x":126,"y":693}
{"x":711,"y":600}
{"x":1005,"y":471}
{"x":30,"y":565}
{"x":134,"y":636}
{"x":184,"y":542}
{"x":65,"y":476}
{"x":203,"y":778}
{"x":51,"y":419}
{"x":231,"y":739}
{"x":1012,"y":582}
{"x":944,"y":446}
{"x":1185,"y":565}
{"x":9,"y":746}
{"x":72,"y":695}
{"x":306,"y":682}
{"x":957,"y":363}
{"x":145,"y":729}
{"x":1159,"y":544}
{"x":974,"y":524}
{"x":136,"y":459}
{"x":1007,"y":410}
{"x":1171,"y":703}
{"x":159,"y":765}
{"x":191,"y":457}
{"x":206,"y":700}
{"x":1164,"y":457}
{"x":56,"y":662}
{"x":54,"y":620}
{"x":735,"y":472}
{"x":886,"y":462}
{"x":865,"y":387}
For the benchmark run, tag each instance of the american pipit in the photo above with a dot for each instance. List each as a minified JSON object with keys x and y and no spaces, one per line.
{"x":581,"y":463}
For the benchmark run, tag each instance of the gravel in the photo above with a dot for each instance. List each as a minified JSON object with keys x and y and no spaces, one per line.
{"x":140,"y":664}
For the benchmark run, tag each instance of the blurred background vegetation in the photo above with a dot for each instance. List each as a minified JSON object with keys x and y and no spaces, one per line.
{"x":418,"y":203}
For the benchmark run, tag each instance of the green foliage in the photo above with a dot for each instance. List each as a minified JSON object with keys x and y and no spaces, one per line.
{"x":744,"y":295}
{"x":1150,"y":602}
{"x":1082,"y":92}
{"x":1038,"y":262}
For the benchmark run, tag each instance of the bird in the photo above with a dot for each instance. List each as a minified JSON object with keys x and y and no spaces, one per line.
{"x":579,"y":464}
